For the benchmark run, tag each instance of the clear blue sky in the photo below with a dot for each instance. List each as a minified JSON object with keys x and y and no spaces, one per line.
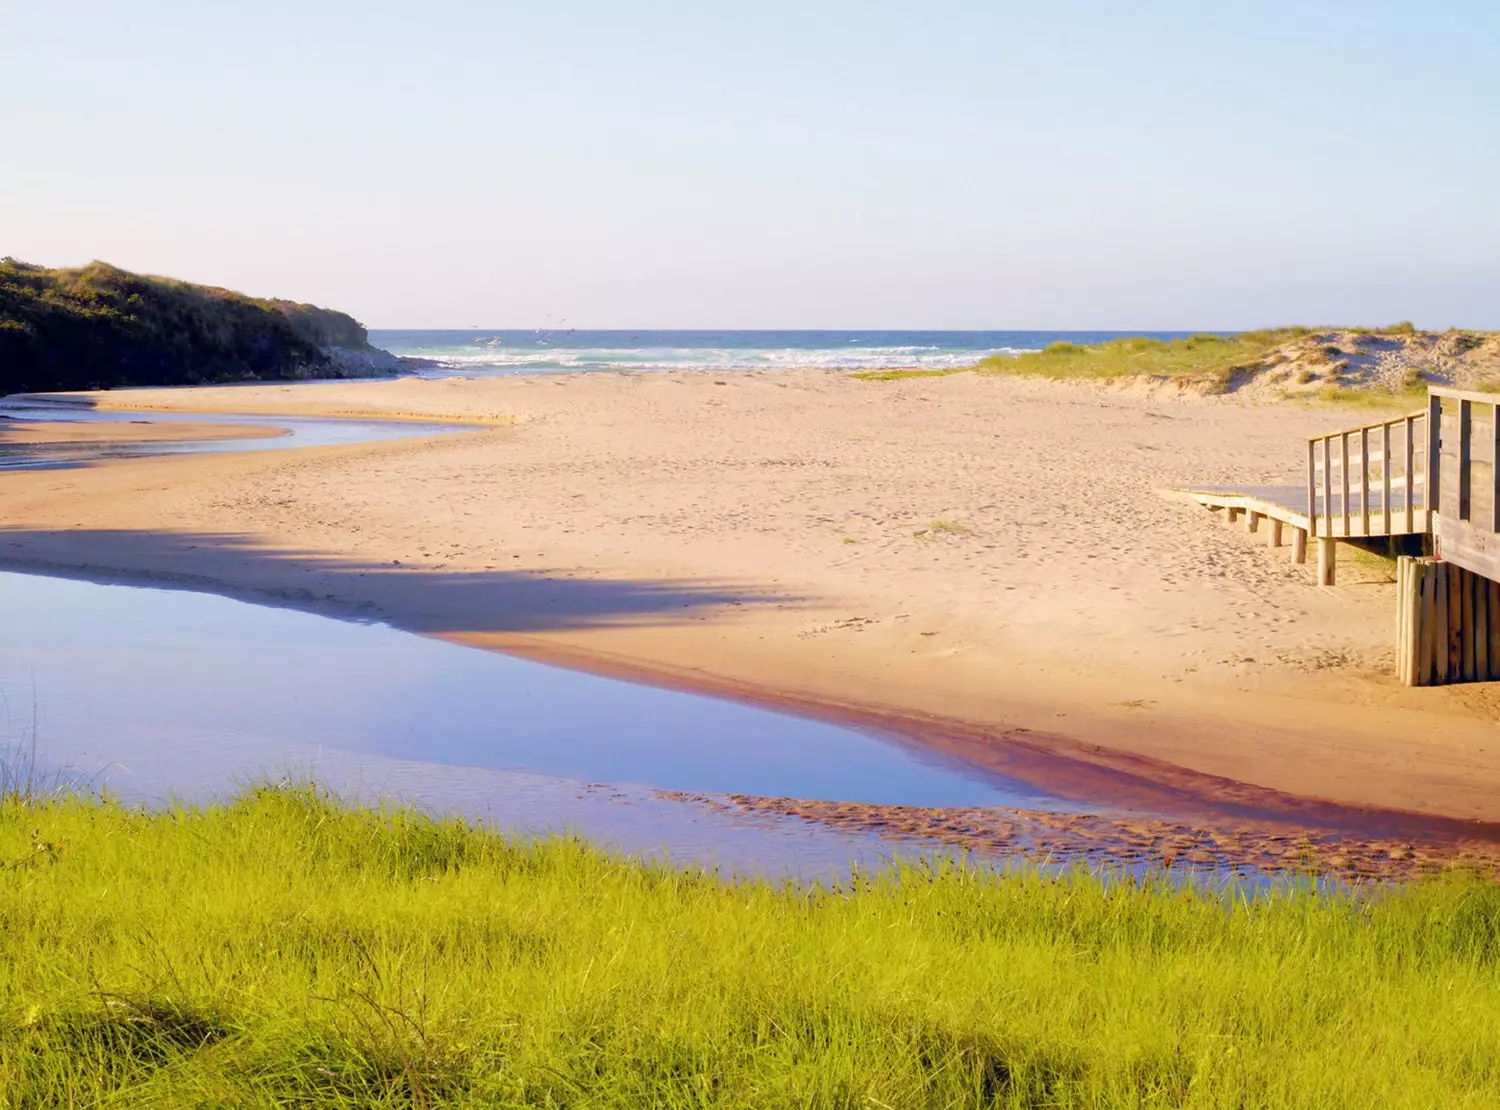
{"x":769,"y":164}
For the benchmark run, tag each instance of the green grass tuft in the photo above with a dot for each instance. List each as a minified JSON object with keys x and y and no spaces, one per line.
{"x":1206,"y":354}
{"x":284,"y":950}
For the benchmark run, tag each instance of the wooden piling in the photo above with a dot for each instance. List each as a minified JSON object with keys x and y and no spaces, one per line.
{"x":1232,"y":514}
{"x":1494,"y":629}
{"x":1252,"y":521}
{"x":1299,"y":546}
{"x":1481,"y":628}
{"x":1466,"y":623}
{"x":1273,"y":532}
{"x":1426,"y":630}
{"x":1439,"y":631}
{"x":1327,"y":557}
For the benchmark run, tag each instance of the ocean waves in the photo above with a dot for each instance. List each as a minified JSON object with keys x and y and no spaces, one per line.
{"x":522,"y":352}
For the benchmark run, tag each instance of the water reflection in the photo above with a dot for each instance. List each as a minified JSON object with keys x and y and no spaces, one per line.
{"x":151,"y":692}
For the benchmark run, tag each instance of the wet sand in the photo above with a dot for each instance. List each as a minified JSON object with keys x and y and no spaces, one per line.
{"x":988,"y":560}
{"x":16,"y":430}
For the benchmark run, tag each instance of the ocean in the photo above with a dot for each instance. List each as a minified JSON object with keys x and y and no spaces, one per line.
{"x":540,"y":351}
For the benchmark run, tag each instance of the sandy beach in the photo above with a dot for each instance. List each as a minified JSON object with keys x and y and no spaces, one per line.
{"x":991,"y":554}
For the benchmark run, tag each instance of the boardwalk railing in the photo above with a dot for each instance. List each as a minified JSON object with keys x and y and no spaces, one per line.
{"x":1465,"y":480}
{"x":1389,"y":458}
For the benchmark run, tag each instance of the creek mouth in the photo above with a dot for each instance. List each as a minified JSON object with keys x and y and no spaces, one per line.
{"x":150,"y":693}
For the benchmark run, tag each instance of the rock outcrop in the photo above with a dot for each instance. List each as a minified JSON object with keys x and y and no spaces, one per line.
{"x":100,"y":327}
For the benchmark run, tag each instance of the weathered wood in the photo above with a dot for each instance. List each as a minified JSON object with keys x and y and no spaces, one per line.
{"x":1273,"y":532}
{"x":1344,"y":479}
{"x":1465,"y":457}
{"x":1385,"y":480}
{"x":1440,"y":625}
{"x":1299,"y":546}
{"x":1495,"y":469}
{"x":1312,"y":486}
{"x":1327,"y":557}
{"x":1252,"y":521}
{"x":1232,"y":514}
{"x":1481,"y":627}
{"x":1404,"y":579}
{"x":1411,"y":478}
{"x":1461,"y":542}
{"x":1427,"y":625}
{"x":1494,"y":588}
{"x":1455,"y":622}
{"x":1327,"y":490}
{"x":1364,"y":480}
{"x":1433,"y":467}
{"x":1466,"y":623}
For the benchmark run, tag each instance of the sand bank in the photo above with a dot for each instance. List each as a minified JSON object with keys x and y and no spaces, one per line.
{"x":986,"y":553}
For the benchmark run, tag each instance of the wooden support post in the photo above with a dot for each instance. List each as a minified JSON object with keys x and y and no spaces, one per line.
{"x":1326,"y":559}
{"x":1466,"y":622}
{"x":1494,"y":629}
{"x":1440,"y":624}
{"x":1481,"y":628}
{"x":1273,"y":532}
{"x":1252,"y":521}
{"x":1327,"y":490}
{"x":1455,"y":623}
{"x":1232,"y":514}
{"x":1403,"y":633}
{"x":1299,"y":546}
{"x":1427,"y":625}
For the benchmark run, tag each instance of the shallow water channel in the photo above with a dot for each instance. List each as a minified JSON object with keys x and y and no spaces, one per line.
{"x":296,"y":431}
{"x":156,"y":693}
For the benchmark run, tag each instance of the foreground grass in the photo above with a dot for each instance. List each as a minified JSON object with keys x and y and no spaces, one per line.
{"x":285,"y":951}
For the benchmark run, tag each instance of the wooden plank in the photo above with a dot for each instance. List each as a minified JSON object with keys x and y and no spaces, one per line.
{"x":1477,"y":396}
{"x":1460,"y":542}
{"x":1466,"y":623}
{"x":1411,"y":484}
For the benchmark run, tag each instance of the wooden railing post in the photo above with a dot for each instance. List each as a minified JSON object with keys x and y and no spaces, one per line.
{"x":1411,"y":478}
{"x":1327,"y":486}
{"x":1433,"y":465}
{"x":1344,"y":479}
{"x":1465,"y":456}
{"x":1385,"y":478}
{"x":1312,"y":488}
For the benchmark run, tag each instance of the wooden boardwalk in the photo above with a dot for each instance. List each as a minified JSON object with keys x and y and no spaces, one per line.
{"x":1434,"y":473}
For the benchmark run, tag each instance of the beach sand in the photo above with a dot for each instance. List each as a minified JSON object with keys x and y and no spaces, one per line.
{"x":985,"y":553}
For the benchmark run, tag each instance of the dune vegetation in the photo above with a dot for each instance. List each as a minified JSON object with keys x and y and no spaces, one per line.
{"x":282,"y":949}
{"x":100,"y":326}
{"x":1371,"y":365}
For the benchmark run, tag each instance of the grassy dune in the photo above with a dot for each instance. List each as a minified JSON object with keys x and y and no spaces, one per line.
{"x":282,"y":950}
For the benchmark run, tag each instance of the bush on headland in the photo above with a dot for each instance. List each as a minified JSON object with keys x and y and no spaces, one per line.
{"x":282,"y":949}
{"x":99,"y":326}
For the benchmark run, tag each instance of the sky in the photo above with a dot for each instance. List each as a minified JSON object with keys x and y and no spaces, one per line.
{"x":1151,"y":165}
